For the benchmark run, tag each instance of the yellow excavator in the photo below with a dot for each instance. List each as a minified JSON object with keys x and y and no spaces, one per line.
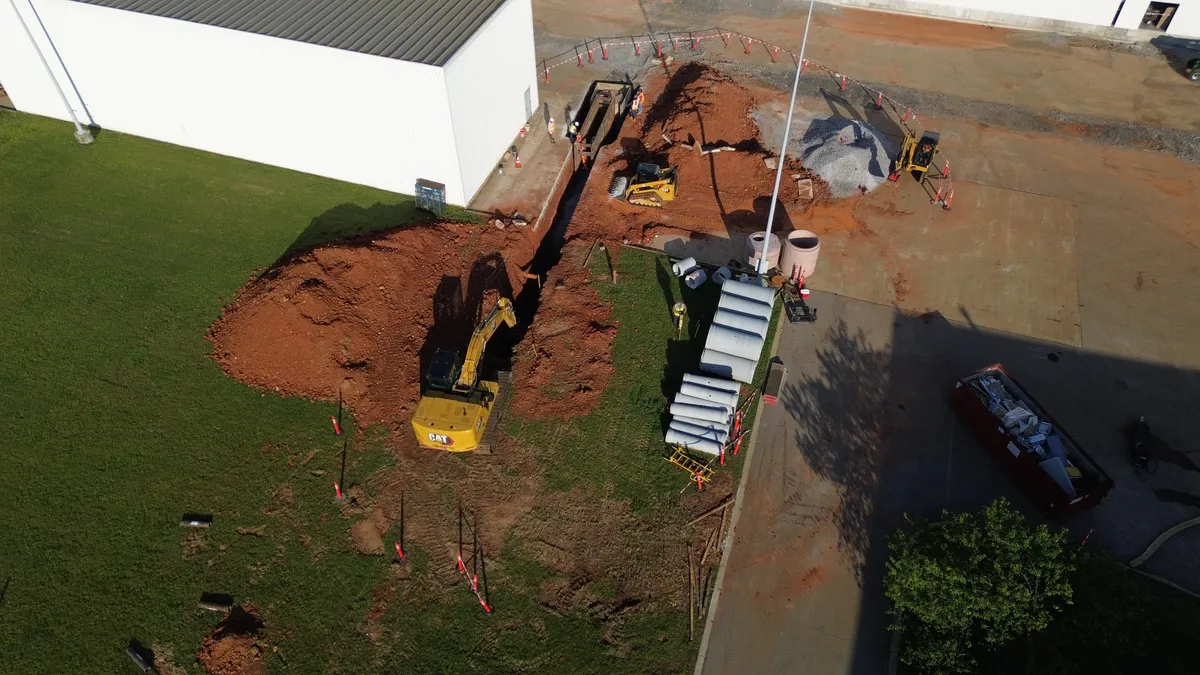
{"x":651,"y":186}
{"x":453,"y":413}
{"x":915,"y":156}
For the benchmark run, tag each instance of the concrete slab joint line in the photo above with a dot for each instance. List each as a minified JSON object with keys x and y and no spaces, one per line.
{"x":738,"y":501}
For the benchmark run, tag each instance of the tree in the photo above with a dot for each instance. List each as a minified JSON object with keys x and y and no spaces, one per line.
{"x":974,"y":581}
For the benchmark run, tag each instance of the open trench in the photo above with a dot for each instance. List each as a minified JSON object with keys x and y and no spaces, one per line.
{"x":599,"y":129}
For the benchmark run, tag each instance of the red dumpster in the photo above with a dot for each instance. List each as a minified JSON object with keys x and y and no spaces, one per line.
{"x":1051,"y":467}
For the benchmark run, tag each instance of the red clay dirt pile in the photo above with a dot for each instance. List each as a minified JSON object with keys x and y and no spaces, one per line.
{"x":235,"y":646}
{"x":726,"y":192}
{"x":365,"y":317}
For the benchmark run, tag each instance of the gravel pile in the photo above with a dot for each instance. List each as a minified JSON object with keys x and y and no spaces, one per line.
{"x":849,"y":155}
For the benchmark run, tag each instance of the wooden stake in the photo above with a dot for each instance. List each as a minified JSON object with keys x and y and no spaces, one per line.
{"x":723,"y":503}
{"x":691,"y":596}
{"x":590,"y":250}
{"x":707,"y":548}
{"x":704,"y":593}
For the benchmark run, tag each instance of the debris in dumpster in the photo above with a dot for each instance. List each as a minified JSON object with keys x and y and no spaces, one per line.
{"x":1032,"y":435}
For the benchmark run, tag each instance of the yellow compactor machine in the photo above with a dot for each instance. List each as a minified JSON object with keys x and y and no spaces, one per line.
{"x":454,"y":412}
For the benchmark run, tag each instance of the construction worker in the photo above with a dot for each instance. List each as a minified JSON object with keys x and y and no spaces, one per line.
{"x":574,"y":129}
{"x":639,"y":100}
{"x":550,"y":129}
{"x":579,"y":148}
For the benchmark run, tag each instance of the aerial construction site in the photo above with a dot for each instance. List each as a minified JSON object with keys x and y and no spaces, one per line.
{"x":677,"y":153}
{"x":602,"y":420}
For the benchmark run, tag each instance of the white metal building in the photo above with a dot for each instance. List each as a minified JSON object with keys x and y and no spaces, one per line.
{"x":376,"y":92}
{"x":1117,"y":18}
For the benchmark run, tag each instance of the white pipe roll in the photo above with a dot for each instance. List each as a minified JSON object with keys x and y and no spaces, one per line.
{"x":693,"y":442}
{"x":726,"y":365}
{"x":693,"y":400}
{"x":734,"y":341}
{"x":743,"y":322}
{"x":700,"y":412}
{"x":694,"y":278}
{"x":743,"y":305}
{"x":718,"y":435}
{"x":703,"y":424}
{"x":752,"y":291}
{"x":718,"y":396}
{"x":713,"y":382}
{"x":684,"y":266}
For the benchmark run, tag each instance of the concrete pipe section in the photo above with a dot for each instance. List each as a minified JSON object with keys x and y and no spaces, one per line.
{"x":717,"y":396}
{"x":754,"y":250}
{"x":726,"y":365}
{"x":683,"y":266}
{"x":800,"y":251}
{"x":743,"y":305}
{"x":744,"y":322}
{"x":713,"y":382}
{"x":700,"y":412}
{"x":705,"y":445}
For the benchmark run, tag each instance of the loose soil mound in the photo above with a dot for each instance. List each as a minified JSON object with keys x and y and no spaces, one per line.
{"x":727,"y":192}
{"x":565,"y":361}
{"x":235,"y":647}
{"x":365,"y":317}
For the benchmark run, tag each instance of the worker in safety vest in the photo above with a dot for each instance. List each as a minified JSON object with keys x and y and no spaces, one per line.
{"x":550,"y":129}
{"x":583,"y":159}
{"x":639,"y":100}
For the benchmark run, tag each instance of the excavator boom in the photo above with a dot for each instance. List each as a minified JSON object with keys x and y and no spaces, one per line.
{"x":469,"y":375}
{"x":455,"y":411}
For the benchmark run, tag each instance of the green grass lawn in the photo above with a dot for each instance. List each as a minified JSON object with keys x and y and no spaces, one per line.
{"x":116,"y":258}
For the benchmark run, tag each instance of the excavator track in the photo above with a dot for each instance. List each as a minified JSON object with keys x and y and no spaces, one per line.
{"x":499,"y":408}
{"x":653,"y":201}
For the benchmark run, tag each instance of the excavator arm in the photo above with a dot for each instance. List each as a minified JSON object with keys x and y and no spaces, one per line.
{"x":503,"y":311}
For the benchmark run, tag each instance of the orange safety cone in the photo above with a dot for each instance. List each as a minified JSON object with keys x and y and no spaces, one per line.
{"x":399,"y":551}
{"x":337,"y":490}
{"x":699,"y":483}
{"x":337,"y":428}
{"x":737,"y":446}
{"x":516,"y":160}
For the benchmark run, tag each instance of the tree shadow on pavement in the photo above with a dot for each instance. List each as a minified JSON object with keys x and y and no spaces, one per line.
{"x":844,"y":425}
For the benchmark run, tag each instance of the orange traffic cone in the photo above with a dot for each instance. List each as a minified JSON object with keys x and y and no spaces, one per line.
{"x":517,"y":160}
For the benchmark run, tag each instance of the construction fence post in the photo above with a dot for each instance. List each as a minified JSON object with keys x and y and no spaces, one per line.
{"x":637,"y":46}
{"x":603,"y":51}
{"x":587,"y":45}
{"x":803,"y":66}
{"x":749,"y":42}
{"x":774,"y":54}
{"x":725,"y":39}
{"x":578,"y":57}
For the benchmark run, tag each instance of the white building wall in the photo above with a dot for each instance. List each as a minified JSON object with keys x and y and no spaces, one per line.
{"x":353,"y":117}
{"x":486,"y":81}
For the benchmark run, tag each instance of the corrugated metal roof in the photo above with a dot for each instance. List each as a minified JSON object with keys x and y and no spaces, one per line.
{"x":422,"y":31}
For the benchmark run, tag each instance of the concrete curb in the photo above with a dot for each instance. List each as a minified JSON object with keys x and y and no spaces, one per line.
{"x":733,"y":519}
